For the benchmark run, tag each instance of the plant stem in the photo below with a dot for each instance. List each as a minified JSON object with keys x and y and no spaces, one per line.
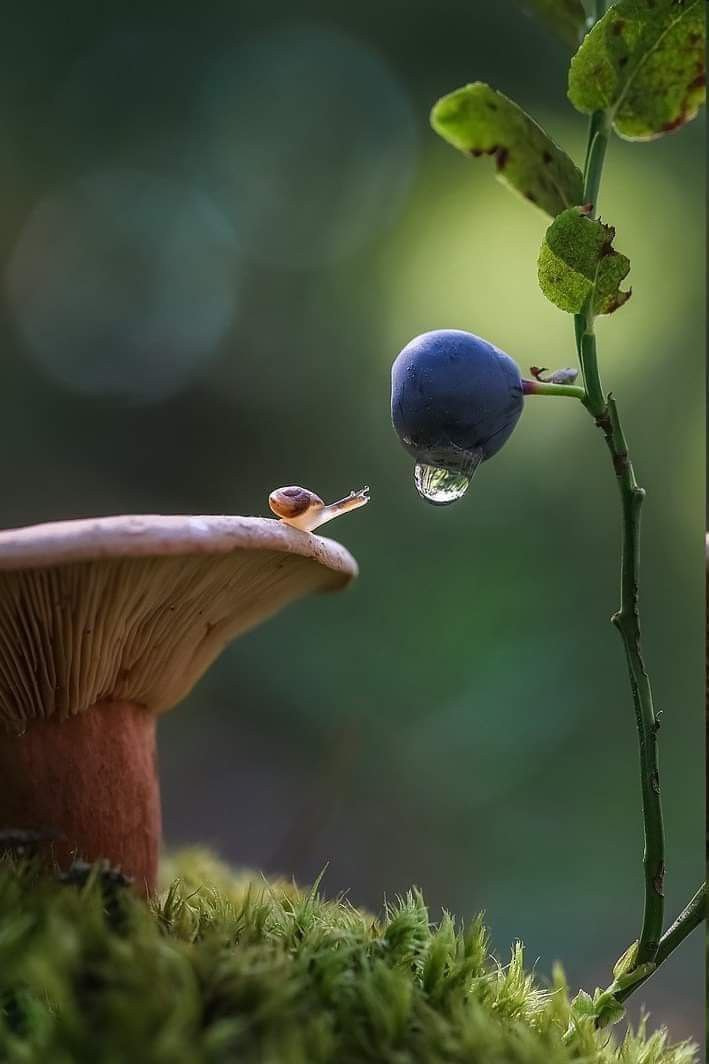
{"x":547,"y":388}
{"x":594,"y":401}
{"x":627,"y":982}
{"x":627,"y":618}
{"x":599,"y":130}
{"x":691,"y":916}
{"x":627,"y":621}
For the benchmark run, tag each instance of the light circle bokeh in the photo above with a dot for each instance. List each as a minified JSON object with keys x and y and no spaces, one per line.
{"x":310,"y":144}
{"x":123,"y":284}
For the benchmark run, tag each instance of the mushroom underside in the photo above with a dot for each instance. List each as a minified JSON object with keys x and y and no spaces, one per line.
{"x":138,"y":630}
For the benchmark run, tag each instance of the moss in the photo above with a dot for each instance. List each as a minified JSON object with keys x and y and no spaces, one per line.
{"x":222,"y":968}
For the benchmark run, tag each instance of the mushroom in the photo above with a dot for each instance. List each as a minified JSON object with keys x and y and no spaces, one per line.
{"x":104,"y":625}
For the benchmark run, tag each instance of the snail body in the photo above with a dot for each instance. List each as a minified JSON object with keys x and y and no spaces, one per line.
{"x":303,"y":509}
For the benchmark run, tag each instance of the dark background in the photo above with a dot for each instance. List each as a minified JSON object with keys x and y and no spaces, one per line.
{"x":219,"y":224}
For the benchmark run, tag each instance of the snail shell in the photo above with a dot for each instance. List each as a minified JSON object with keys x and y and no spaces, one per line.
{"x":305,"y":510}
{"x":294,"y":502}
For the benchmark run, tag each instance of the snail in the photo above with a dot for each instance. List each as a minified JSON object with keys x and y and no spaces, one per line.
{"x":305,"y":510}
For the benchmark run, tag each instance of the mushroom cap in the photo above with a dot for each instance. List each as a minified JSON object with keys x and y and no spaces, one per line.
{"x":136,"y":608}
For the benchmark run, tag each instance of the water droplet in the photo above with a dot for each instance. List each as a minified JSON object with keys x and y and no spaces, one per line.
{"x":440,"y":486}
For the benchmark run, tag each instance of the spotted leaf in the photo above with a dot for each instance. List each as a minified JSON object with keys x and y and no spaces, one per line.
{"x":478,"y":121}
{"x":578,"y":265}
{"x":644,"y":63}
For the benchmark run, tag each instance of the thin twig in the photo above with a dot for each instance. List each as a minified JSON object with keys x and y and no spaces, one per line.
{"x":627,"y":618}
{"x":691,"y":916}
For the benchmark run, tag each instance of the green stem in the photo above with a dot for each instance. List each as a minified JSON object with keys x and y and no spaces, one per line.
{"x":627,"y":982}
{"x":598,"y":133}
{"x":627,"y":621}
{"x":627,"y":618}
{"x":594,"y":401}
{"x":691,"y":916}
{"x":547,"y":388}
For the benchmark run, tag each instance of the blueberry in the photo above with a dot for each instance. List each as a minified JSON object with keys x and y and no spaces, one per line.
{"x":455,"y":400}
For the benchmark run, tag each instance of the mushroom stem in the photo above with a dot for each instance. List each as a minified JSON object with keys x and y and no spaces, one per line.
{"x":90,"y":784}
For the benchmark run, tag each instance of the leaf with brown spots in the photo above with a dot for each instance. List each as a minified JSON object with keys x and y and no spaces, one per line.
{"x":479,"y":121}
{"x":578,"y":264}
{"x":644,"y":63}
{"x":566,"y":18}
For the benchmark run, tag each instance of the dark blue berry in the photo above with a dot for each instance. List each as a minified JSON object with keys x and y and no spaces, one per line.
{"x":455,"y":399}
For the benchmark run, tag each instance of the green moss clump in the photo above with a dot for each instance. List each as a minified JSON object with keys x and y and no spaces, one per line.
{"x":224,"y":969}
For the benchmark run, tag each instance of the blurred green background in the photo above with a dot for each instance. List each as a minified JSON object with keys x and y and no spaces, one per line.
{"x":219,"y":225}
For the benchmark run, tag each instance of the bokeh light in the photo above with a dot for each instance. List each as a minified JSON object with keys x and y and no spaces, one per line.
{"x":143,"y":125}
{"x":123,"y":284}
{"x":310,"y":145}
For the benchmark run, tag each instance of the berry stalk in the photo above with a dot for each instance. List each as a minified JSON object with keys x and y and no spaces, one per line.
{"x":538,"y":387}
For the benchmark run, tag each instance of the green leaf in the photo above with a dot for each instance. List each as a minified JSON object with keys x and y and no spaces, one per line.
{"x":578,"y":264}
{"x":566,"y":18}
{"x":608,"y":1010}
{"x":602,"y":1008}
{"x":582,"y":1004}
{"x":635,"y":975}
{"x":479,"y":120}
{"x":644,"y":63}
{"x":626,"y":962}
